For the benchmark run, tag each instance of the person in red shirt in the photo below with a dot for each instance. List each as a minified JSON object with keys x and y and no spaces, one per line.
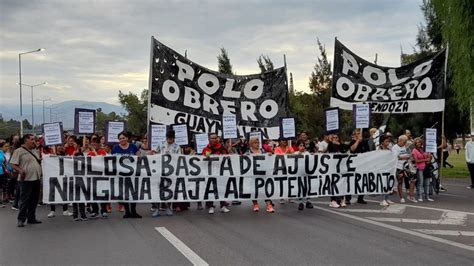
{"x":215,"y":147}
{"x":71,"y":146}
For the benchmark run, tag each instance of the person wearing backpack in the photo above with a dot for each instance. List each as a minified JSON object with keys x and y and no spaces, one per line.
{"x":26,"y":162}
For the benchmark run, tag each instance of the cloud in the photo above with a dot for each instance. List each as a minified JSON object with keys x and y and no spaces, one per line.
{"x":95,"y":48}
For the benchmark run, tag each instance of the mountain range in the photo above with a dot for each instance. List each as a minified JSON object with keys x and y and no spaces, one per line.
{"x":57,"y":112}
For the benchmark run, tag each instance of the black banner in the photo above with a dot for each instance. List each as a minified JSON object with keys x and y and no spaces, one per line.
{"x":185,"y":92}
{"x":414,"y":88}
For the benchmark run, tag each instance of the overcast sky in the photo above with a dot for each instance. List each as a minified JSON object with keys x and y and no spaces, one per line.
{"x":96,"y":48}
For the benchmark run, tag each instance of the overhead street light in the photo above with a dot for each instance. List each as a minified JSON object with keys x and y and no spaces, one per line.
{"x":32,"y":113}
{"x":19,"y":83}
{"x":44,"y":100}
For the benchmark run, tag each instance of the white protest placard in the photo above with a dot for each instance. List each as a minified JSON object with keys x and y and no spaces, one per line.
{"x":257,"y":134}
{"x":288,"y":128}
{"x":85,"y":121}
{"x":430,"y":140}
{"x":53,"y":134}
{"x":202,"y":140}
{"x":361,"y":115}
{"x":181,"y":134}
{"x":113,"y":128}
{"x":332,"y":120}
{"x":157,"y":135}
{"x":229,"y":126}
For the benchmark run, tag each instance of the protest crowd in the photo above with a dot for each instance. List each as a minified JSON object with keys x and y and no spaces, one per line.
{"x":21,"y":171}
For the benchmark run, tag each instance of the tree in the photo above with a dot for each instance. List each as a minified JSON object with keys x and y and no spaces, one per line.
{"x":101,"y":118}
{"x":137,"y":111}
{"x":223,"y":62}
{"x":265,"y":63}
{"x":456,"y":20}
{"x":321,"y":77}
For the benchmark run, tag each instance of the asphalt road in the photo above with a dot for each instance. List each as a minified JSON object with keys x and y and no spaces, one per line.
{"x":403,"y":234}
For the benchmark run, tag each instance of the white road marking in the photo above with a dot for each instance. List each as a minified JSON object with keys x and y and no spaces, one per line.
{"x":428,"y":208}
{"x":447,"y":218}
{"x":179,"y":245}
{"x":445,"y":232}
{"x":398,"y":229}
{"x":392,"y":209}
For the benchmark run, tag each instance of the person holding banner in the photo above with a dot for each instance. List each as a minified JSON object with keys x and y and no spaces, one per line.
{"x":301,"y":144}
{"x":126,"y":148}
{"x":167,"y":147}
{"x":336,"y":145}
{"x":26,"y":162}
{"x":403,"y":155}
{"x":358,"y":145}
{"x":385,"y":142}
{"x":215,"y":147}
{"x":254,"y":142}
{"x":421,"y":158}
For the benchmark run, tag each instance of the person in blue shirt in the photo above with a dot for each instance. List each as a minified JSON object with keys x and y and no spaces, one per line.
{"x":126,"y":148}
{"x":5,"y":171}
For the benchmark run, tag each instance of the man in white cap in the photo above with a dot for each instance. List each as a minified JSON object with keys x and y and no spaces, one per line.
{"x":469,"y":148}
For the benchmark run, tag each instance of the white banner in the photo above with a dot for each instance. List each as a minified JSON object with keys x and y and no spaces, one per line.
{"x":178,"y":178}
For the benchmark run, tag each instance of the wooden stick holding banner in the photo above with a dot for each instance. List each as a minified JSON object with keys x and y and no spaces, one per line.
{"x":442,"y":117}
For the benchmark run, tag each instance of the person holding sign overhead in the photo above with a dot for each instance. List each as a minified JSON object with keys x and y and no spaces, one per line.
{"x":215,"y":147}
{"x":126,"y":148}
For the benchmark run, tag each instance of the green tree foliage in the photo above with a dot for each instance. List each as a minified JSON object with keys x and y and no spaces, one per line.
{"x":430,"y":40}
{"x":456,"y":20}
{"x":223,"y":62}
{"x":101,"y":118}
{"x":320,"y":81}
{"x":10,"y":127}
{"x":137,"y":111}
{"x":265,"y":63}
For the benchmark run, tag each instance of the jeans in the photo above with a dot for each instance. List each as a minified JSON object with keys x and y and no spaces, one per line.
{"x":29,"y":197}
{"x":422,"y":182}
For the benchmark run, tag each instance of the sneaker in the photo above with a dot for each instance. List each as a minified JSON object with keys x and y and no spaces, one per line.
{"x":282,"y":201}
{"x":51,"y":214}
{"x":67,"y":213}
{"x":420,"y":200}
{"x":256,"y":208}
{"x":93,"y":215}
{"x":169,"y":212}
{"x":83,"y":218}
{"x":300,"y":206}
{"x":384,"y":203}
{"x":199,"y":207}
{"x":153,"y":209}
{"x":135,"y":216}
{"x":127,"y":215}
{"x":121,"y":208}
{"x":269,"y":207}
{"x":15,"y":208}
{"x":2,"y":205}
{"x":34,"y":222}
{"x":343,"y":203}
{"x":104,"y":215}
{"x":236,"y":202}
{"x":334,"y":204}
{"x":109,"y":208}
{"x":412,"y":199}
{"x":211,"y":210}
{"x":430,"y":199}
{"x":156,"y":213}
{"x":402,"y":200}
{"x":76,"y":219}
{"x":309,"y":205}
{"x":21,"y":224}
{"x":468,"y":187}
{"x":442,"y":189}
{"x":361,"y":201}
{"x":224,"y":209}
{"x":390,"y":202}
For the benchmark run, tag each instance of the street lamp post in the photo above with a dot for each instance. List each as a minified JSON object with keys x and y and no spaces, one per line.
{"x":21,"y":99}
{"x":32,"y":112}
{"x":44,"y":100}
{"x":50,"y":112}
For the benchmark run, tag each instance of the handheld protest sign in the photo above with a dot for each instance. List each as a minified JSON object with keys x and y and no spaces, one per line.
{"x":181,"y":134}
{"x":257,"y":134}
{"x":53,"y":134}
{"x":202,"y":140}
{"x":430,"y":140}
{"x":229,"y":126}
{"x":288,"y":127}
{"x":156,"y":135}
{"x":84,"y":121}
{"x":331,"y":120}
{"x":361,"y":115}
{"x":112,"y":129}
